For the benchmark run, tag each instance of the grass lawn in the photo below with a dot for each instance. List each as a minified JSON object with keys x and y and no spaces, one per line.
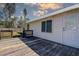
{"x":16,"y":34}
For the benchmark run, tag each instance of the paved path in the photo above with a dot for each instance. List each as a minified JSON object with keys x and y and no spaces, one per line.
{"x":15,"y":47}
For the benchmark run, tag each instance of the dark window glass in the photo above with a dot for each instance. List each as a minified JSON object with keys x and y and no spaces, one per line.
{"x":43,"y":26}
{"x":49,"y":26}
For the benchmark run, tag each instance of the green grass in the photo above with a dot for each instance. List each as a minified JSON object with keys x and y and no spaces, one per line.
{"x":15,"y":34}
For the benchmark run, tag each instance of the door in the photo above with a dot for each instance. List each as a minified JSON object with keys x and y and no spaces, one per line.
{"x":70,"y":30}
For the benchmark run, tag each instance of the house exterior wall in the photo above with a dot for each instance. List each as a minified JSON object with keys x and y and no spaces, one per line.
{"x":57,"y":26}
{"x":71,"y":36}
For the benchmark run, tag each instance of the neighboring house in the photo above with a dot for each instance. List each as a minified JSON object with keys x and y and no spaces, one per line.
{"x":61,"y":26}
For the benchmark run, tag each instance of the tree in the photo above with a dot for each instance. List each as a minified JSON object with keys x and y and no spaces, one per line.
{"x":22,"y":22}
{"x":25,"y":20}
{"x":9,"y":9}
{"x":25,"y":12}
{"x":1,"y":19}
{"x":1,"y":15}
{"x":13,"y":22}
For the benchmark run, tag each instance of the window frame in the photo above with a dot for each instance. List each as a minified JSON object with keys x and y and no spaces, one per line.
{"x":45,"y":26}
{"x":43,"y":29}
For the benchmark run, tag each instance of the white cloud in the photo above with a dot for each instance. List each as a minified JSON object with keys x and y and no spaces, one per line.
{"x":45,"y":6}
{"x":21,"y":12}
{"x":39,"y":13}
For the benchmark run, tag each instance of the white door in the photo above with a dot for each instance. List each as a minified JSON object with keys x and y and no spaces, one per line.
{"x":71,"y":30}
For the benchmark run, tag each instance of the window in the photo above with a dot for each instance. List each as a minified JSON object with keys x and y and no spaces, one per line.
{"x":46,"y":26}
{"x":49,"y":26}
{"x":43,"y":26}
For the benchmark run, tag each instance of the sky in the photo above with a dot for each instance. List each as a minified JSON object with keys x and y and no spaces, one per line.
{"x":35,"y":10}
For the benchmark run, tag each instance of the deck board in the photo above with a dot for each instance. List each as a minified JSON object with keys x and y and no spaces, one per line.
{"x":45,"y":47}
{"x":15,"y":47}
{"x":34,"y":46}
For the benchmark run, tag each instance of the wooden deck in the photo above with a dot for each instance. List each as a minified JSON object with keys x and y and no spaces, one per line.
{"x":34,"y":47}
{"x":15,"y":47}
{"x":49,"y":48}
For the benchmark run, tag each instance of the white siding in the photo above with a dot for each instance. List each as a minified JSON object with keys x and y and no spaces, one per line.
{"x":57,"y":28}
{"x":56,"y":34}
{"x":71,"y":35}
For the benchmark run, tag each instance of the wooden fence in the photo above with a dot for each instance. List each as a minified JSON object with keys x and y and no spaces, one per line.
{"x":11,"y":32}
{"x":8,"y":32}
